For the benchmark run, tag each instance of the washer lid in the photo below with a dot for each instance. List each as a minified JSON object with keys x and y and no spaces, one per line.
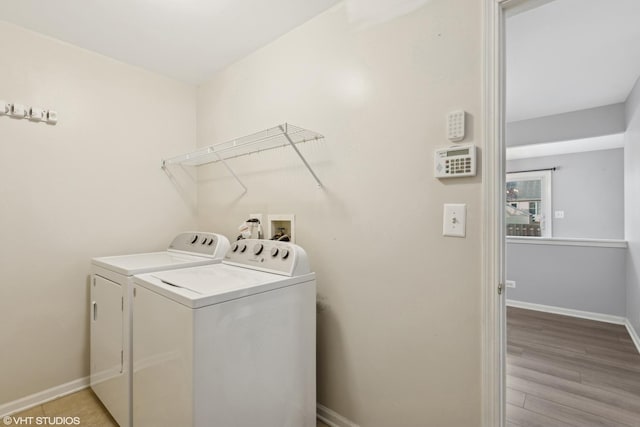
{"x":212,"y":284}
{"x":152,"y":261}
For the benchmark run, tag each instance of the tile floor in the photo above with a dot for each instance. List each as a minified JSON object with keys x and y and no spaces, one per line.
{"x":83,"y":404}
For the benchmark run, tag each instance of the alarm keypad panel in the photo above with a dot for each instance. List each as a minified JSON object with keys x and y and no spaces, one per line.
{"x":453,"y":162}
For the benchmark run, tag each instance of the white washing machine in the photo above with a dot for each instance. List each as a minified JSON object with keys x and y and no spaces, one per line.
{"x":227,"y":345}
{"x":111,"y":290}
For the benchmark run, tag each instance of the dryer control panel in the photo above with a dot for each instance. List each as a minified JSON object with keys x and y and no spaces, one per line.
{"x":268,"y":255}
{"x":200,"y":243}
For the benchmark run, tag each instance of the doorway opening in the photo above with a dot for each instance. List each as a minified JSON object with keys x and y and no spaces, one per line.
{"x":568,"y":123}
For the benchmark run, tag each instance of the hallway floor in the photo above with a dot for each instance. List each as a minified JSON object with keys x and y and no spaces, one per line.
{"x":564,"y":371}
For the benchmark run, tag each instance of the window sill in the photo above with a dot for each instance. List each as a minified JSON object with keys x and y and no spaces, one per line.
{"x":560,"y":241}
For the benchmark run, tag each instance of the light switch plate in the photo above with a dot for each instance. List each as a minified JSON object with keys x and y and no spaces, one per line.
{"x":558,"y":214}
{"x":454,"y":220}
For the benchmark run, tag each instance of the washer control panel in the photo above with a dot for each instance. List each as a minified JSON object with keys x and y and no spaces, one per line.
{"x":268,"y":255}
{"x":200,"y":243}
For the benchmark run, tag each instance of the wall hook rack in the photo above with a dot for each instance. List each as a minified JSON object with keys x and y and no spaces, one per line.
{"x":34,"y":114}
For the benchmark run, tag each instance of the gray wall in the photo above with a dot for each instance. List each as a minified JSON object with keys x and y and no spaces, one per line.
{"x":575,"y":277}
{"x":589,"y":188}
{"x":632,"y":205}
{"x":599,"y":121}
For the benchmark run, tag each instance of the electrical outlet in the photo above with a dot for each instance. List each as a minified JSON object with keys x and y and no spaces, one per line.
{"x":510,"y":283}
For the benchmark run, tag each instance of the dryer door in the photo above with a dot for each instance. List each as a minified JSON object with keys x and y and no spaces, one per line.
{"x":106,"y":357}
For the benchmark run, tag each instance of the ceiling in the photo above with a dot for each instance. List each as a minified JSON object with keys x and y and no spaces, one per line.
{"x":188,"y":40}
{"x":568,"y":55}
{"x":565,"y":55}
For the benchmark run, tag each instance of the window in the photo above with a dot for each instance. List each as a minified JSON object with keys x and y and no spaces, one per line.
{"x":528,"y":210}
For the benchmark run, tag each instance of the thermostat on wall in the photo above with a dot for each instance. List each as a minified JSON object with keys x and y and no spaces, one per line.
{"x":455,"y":161}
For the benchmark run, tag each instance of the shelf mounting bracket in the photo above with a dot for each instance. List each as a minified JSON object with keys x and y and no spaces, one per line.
{"x":286,"y":135}
{"x":244,"y":187}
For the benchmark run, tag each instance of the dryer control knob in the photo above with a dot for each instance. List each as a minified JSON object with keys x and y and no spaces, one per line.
{"x":243,"y":247}
{"x":234,"y":247}
{"x":274,"y":251}
{"x":257,"y":249}
{"x":194,"y":239}
{"x":284,"y":254}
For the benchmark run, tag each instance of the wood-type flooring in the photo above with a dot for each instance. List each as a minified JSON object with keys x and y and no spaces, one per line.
{"x":568,"y":372}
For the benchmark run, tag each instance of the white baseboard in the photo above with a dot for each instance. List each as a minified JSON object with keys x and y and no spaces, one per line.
{"x":44,"y":396}
{"x":634,"y":334}
{"x":608,"y":318}
{"x":331,"y":418}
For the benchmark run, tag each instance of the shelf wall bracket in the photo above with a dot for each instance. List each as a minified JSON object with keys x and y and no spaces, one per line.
{"x":286,"y":135}
{"x":244,"y":187}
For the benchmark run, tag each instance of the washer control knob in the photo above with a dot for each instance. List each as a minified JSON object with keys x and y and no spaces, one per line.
{"x":204,"y":242}
{"x":234,"y":247}
{"x":211,"y":241}
{"x":274,"y":251}
{"x":257,"y":248}
{"x":194,"y":239}
{"x":284,"y":253}
{"x":243,"y":247}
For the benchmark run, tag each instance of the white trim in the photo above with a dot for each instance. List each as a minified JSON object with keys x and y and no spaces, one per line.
{"x":546,"y":222}
{"x":522,"y":7}
{"x":600,"y":317}
{"x":44,"y":396}
{"x":607,"y":142}
{"x":331,"y":418}
{"x":561,"y":241}
{"x":634,"y":335}
{"x":493,"y":199}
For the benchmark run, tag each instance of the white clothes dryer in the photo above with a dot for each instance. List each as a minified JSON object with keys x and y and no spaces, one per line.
{"x":110,"y":330}
{"x":230,"y":344}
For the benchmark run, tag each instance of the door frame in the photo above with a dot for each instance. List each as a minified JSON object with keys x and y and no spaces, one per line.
{"x":493,"y":161}
{"x":494,"y":199}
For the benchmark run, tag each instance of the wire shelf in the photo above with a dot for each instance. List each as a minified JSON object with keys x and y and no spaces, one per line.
{"x":284,"y":135}
{"x":276,"y":137}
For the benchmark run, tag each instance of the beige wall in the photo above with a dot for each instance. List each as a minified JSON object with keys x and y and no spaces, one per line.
{"x":399,"y":339}
{"x":90,"y":185}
